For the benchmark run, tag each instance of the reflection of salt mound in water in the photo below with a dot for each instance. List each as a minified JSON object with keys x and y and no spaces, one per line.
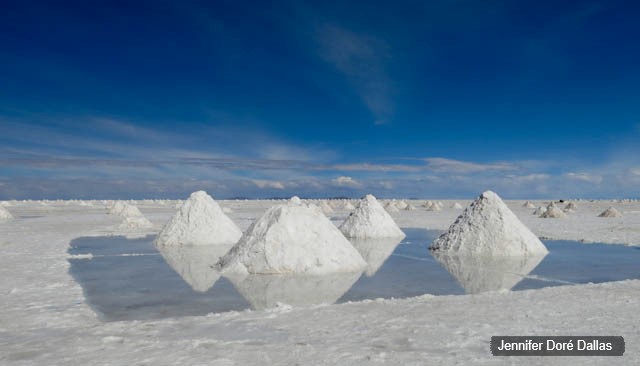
{"x":293,"y":239}
{"x":370,"y":220}
{"x":480,"y":273}
{"x":267,"y":291}
{"x":488,"y":227}
{"x":375,"y":251}
{"x":200,"y":221}
{"x":5,"y":214}
{"x":196,"y":264}
{"x":610,"y":212}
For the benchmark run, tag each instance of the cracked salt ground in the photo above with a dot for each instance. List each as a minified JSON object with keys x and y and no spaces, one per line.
{"x":128,"y":279}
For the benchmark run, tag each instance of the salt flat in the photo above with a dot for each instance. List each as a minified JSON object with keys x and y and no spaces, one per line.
{"x":45,"y":320}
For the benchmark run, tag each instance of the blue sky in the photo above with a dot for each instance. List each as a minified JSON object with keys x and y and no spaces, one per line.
{"x":330,"y":98}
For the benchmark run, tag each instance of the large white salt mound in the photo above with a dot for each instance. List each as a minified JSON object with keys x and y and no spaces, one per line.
{"x":610,"y":212}
{"x":488,"y":227}
{"x":292,"y":239}
{"x":5,"y":214}
{"x":553,"y":212}
{"x":200,"y":221}
{"x":370,"y":220}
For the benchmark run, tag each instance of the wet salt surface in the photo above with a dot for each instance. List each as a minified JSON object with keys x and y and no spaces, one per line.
{"x":128,"y":279}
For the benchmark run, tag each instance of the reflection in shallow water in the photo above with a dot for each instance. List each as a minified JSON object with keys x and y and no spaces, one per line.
{"x":375,"y":251}
{"x":266,"y":291}
{"x":196,"y":264}
{"x":478,"y":274}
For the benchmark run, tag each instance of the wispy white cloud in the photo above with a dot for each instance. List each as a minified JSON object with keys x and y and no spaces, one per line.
{"x":444,"y":165}
{"x":362,"y":59}
{"x":585,"y":177}
{"x":268,"y":184}
{"x":344,"y":181}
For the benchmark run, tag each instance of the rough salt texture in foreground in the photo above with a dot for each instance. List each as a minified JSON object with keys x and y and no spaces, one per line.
{"x":5,"y":214}
{"x":370,"y":220}
{"x":293,"y":239}
{"x":200,"y":221}
{"x":488,"y":227}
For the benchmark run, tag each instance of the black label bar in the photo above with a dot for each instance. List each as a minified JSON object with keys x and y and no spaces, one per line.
{"x":557,"y":346}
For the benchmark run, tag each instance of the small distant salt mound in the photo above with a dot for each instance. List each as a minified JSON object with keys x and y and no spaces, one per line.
{"x":553,"y":212}
{"x":610,"y":212}
{"x":529,"y":204}
{"x":5,"y":214}
{"x":427,"y":204}
{"x":116,"y":208}
{"x":571,"y":206}
{"x":135,"y":222}
{"x":326,"y":208}
{"x":410,"y":207}
{"x":295,"y":200}
{"x":540,"y":210}
{"x":200,"y":221}
{"x":401,"y":205}
{"x":488,"y":227}
{"x":391,"y":207}
{"x":370,"y":220}
{"x":457,"y":206}
{"x":292,"y":239}
{"x":435,"y":206}
{"x":349,"y":206}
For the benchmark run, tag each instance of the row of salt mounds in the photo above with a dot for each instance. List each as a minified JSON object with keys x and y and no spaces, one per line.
{"x":488,"y":227}
{"x":553,"y":212}
{"x":5,"y":214}
{"x":200,"y":221}
{"x":292,"y":238}
{"x":434,"y":206}
{"x":610,"y":212}
{"x":370,"y":220}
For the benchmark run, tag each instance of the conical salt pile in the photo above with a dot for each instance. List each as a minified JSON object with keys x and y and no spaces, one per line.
{"x":116,"y":208}
{"x":553,"y":212}
{"x":571,"y":206}
{"x":488,"y":227}
{"x":529,"y":204}
{"x":401,"y":205}
{"x":410,"y":207}
{"x":348,"y":206}
{"x":427,"y":204}
{"x":435,"y":206}
{"x":292,"y":239}
{"x":370,"y":220}
{"x":5,"y":214}
{"x":539,"y":211}
{"x":391,"y":207}
{"x":200,"y":221}
{"x":326,"y":209}
{"x":132,"y":217}
{"x":295,"y":200}
{"x":457,"y":206}
{"x":610,"y":212}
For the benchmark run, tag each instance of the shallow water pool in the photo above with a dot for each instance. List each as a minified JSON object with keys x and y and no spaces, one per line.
{"x":127,"y":279}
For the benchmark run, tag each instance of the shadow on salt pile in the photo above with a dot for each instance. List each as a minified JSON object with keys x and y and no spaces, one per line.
{"x":127,"y":279}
